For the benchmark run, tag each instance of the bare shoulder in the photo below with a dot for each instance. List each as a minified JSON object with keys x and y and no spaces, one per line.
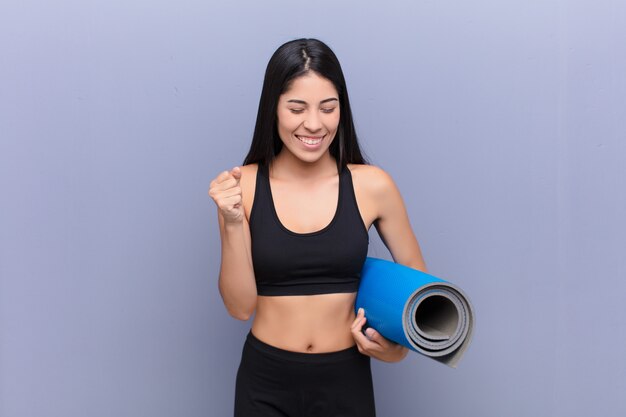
{"x":375,"y":180}
{"x":248,"y":172}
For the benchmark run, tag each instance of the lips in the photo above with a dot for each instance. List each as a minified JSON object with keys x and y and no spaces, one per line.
{"x":310,"y":140}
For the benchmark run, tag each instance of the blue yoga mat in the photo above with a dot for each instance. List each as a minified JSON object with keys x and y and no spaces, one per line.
{"x":420,"y":311}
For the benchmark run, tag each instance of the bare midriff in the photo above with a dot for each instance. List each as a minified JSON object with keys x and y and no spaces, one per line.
{"x":305,"y":323}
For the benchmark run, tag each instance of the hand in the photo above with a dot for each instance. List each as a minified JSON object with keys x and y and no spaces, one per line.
{"x":226,"y":193}
{"x":374,"y":344}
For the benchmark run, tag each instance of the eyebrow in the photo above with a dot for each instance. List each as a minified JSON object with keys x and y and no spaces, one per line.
{"x":304,"y":102}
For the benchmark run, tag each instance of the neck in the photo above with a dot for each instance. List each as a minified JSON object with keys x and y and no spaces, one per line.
{"x":286,"y":165}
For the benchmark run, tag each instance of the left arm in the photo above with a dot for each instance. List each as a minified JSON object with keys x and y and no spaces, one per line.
{"x":393,"y":223}
{"x":393,"y":226}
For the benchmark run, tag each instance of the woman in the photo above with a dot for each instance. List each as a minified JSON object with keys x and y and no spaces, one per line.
{"x":294,"y":223}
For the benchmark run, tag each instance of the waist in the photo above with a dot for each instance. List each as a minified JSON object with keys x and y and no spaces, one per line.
{"x":305,"y":323}
{"x":318,"y":357}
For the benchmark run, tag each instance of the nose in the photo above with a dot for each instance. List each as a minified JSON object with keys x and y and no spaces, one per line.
{"x":312,"y":122}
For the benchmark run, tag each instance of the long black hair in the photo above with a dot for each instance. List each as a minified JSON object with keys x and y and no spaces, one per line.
{"x":291,"y":60}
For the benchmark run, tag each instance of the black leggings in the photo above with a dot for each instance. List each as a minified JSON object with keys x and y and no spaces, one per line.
{"x":272,"y":382}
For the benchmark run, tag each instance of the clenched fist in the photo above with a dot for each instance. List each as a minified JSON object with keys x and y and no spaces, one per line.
{"x":226,"y":193}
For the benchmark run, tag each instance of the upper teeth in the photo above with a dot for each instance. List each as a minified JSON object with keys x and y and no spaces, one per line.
{"x":309,"y":141}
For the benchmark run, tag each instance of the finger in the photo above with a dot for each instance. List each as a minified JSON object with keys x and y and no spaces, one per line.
{"x":236,"y":173}
{"x":360,"y":313}
{"x":376,"y":337}
{"x":216,"y":181}
{"x":357,"y":325}
{"x":358,"y":322}
{"x":365,"y":345}
{"x":357,"y":332}
{"x":218,"y":190}
{"x":229,"y":192}
{"x":358,"y":336}
{"x":226,"y":184}
{"x":223,"y":176}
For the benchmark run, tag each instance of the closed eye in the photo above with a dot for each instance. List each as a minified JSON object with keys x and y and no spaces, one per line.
{"x":298,"y":111}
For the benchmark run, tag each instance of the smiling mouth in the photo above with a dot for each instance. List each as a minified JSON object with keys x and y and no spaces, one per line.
{"x":310,"y":140}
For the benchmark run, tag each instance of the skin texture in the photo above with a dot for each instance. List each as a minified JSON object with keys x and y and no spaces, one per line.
{"x":305,"y":186}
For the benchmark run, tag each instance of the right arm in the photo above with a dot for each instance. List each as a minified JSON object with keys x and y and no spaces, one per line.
{"x":237,"y":285}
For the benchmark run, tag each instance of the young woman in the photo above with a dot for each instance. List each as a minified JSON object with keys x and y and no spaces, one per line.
{"x":294,"y":221}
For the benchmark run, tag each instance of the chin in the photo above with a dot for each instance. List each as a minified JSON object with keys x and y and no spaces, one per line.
{"x":310,"y":158}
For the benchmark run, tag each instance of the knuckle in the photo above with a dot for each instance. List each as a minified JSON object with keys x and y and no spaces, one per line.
{"x":222,"y":177}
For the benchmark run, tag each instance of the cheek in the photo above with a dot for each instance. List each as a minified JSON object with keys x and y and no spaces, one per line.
{"x":286,"y":127}
{"x":286,"y":121}
{"x":334,"y":121}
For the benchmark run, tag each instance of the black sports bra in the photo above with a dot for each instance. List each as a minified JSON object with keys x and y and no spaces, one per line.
{"x":321,"y":262}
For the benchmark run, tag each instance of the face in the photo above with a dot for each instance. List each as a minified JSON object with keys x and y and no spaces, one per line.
{"x":308,"y":116}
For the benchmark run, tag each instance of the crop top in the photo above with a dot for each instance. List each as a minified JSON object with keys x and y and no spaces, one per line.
{"x":328,"y":260}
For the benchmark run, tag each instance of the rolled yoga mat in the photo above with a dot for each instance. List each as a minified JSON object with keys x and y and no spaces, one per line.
{"x":420,"y":311}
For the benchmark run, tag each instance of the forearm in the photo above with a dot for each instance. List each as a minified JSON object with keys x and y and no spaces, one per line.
{"x":237,"y":285}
